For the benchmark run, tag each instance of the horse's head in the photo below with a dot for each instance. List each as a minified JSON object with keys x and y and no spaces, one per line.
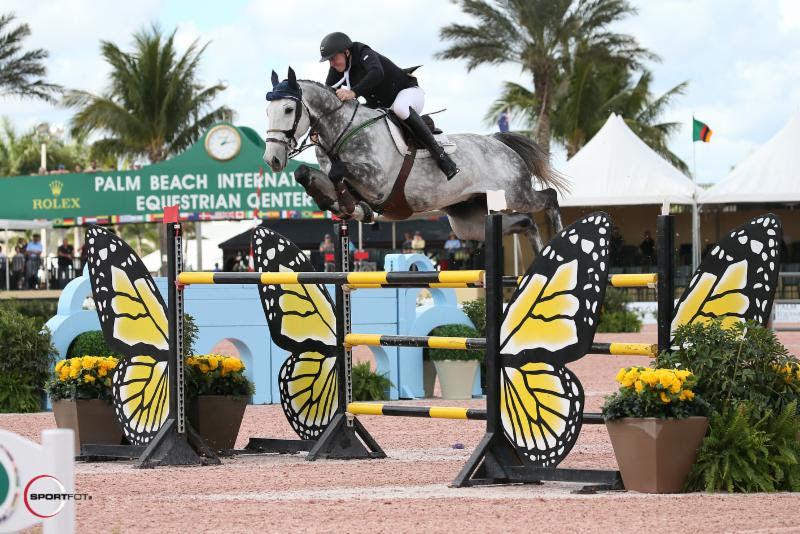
{"x":288,"y":120}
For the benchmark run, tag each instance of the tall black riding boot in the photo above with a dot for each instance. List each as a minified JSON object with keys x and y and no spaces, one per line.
{"x":423,"y":133}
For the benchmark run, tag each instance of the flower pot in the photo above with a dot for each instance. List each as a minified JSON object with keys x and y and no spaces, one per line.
{"x":656,"y":455}
{"x":428,"y":377}
{"x":456,"y":378}
{"x":217,"y":418}
{"x":92,"y":421}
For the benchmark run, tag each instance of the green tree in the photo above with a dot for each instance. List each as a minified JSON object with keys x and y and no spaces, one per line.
{"x":20,"y":154}
{"x":154,"y":105}
{"x":22,"y":72}
{"x":544,"y":38}
{"x":593,"y":93}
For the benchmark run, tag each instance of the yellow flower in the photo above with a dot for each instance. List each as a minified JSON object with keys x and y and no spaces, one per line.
{"x":63,"y":374}
{"x":60,"y":364}
{"x":664,"y":398}
{"x":204,"y":368}
{"x":102,"y":371}
{"x":639,"y":386}
{"x":649,"y":377}
{"x":88,"y":379}
{"x":213,"y":363}
{"x":621,"y":375}
{"x":675,"y":386}
{"x":75,"y":370}
{"x":687,"y":394}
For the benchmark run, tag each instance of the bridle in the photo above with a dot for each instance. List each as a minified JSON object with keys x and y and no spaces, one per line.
{"x":291,"y":142}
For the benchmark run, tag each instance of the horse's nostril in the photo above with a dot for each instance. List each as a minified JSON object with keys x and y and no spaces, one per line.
{"x":275,"y":162}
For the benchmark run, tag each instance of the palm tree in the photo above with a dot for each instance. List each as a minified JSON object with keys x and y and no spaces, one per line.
{"x":143,"y":237}
{"x":21,"y":73}
{"x":20,"y":153}
{"x":154,"y":106}
{"x":593,"y":94}
{"x":543,"y":37}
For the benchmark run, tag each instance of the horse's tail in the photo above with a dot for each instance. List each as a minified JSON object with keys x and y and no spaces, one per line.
{"x":536,"y":159}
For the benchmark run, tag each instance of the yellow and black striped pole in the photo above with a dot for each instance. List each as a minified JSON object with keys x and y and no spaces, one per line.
{"x":365,"y":279}
{"x":437,"y":412}
{"x":477,"y":343}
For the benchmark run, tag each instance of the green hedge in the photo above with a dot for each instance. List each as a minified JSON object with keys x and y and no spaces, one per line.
{"x":26,"y":358}
{"x":369,"y":385}
{"x":615,"y":315}
{"x":455,"y":330}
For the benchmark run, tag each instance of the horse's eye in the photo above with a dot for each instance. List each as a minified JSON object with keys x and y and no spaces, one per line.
{"x":289,"y":110}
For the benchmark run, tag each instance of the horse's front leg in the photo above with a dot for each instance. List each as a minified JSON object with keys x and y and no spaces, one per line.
{"x":322,"y":190}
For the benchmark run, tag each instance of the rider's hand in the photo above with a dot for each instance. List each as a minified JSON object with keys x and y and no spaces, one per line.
{"x":314,"y":137}
{"x":345,"y":94}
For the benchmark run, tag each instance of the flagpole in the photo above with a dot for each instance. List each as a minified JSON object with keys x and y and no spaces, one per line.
{"x":695,"y":218}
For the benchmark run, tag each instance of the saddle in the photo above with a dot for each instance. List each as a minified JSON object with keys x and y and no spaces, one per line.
{"x":401,"y":135}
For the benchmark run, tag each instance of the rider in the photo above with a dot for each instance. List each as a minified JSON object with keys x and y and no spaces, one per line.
{"x":357,"y":70}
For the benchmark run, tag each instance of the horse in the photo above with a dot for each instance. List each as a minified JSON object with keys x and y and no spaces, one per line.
{"x":358,"y":142}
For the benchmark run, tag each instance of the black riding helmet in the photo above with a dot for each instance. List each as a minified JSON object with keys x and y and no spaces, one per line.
{"x":332,"y":44}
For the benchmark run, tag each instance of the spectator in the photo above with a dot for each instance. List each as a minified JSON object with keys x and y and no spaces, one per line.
{"x":66,"y":256}
{"x":326,"y":246}
{"x":92,"y":166}
{"x":216,"y":267}
{"x":33,"y":259}
{"x":452,"y":242}
{"x":78,"y":168}
{"x":3,"y":267}
{"x":418,"y":244}
{"x":17,"y":268}
{"x":647,"y":248}
{"x":407,"y":243}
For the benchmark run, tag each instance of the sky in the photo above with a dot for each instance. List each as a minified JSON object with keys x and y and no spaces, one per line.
{"x":740,"y":57}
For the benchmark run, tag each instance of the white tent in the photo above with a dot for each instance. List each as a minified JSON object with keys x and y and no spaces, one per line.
{"x":770,"y":174}
{"x":616,"y":168}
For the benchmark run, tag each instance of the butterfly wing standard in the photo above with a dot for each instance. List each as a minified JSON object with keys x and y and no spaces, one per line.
{"x":736,"y":281}
{"x":301,"y":321}
{"x":133,"y":318}
{"x":551,"y":320}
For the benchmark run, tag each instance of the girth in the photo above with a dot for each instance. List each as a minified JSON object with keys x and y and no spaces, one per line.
{"x":396,"y":207}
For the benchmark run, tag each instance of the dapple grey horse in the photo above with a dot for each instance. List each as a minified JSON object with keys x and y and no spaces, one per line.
{"x":502,"y":161}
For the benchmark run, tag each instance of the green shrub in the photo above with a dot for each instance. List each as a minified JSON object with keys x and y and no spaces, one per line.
{"x":26,"y":356}
{"x":745,"y":362}
{"x":455,"y":330}
{"x":476,"y":311}
{"x":749,"y":450}
{"x":39,"y":309}
{"x":369,"y":385}
{"x":91,"y":343}
{"x":615,"y":315}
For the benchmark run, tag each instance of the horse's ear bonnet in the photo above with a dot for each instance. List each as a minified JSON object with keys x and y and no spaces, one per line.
{"x":286,"y":89}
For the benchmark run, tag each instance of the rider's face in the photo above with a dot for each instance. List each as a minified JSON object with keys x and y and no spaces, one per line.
{"x":339,"y":61}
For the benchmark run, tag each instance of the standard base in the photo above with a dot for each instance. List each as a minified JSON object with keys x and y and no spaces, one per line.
{"x":496,"y":461}
{"x":345,"y":439}
{"x":272,"y":446}
{"x":169,"y":448}
{"x":99,"y":452}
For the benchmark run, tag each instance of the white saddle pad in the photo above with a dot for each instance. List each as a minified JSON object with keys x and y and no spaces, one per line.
{"x":422,"y":153}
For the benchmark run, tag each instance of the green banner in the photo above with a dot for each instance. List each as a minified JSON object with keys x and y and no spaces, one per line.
{"x":222,"y":176}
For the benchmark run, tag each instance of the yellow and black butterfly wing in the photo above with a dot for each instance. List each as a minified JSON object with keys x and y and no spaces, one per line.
{"x":552,"y":316}
{"x":308,"y":390}
{"x":736,"y":281}
{"x":541,"y":406}
{"x":133,"y":318}
{"x":551,"y":320}
{"x":301,"y":320}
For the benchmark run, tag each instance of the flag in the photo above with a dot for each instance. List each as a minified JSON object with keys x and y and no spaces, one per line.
{"x":701,"y":131}
{"x":171,"y":214}
{"x":502,"y":123}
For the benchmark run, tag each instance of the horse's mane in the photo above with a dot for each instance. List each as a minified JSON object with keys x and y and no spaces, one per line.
{"x":329,"y":89}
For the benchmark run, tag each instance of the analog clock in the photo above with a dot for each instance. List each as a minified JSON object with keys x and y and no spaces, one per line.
{"x":223,"y":142}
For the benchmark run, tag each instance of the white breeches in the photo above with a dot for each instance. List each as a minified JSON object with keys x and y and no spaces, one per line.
{"x":412,"y":97}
